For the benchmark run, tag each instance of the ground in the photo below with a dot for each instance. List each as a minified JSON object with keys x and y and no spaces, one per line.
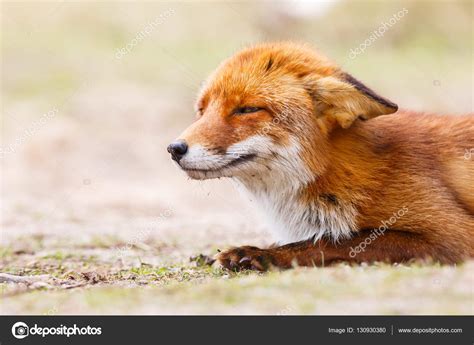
{"x":93,"y":281}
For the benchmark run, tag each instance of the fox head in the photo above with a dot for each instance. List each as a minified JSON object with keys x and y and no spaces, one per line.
{"x":269,"y":108}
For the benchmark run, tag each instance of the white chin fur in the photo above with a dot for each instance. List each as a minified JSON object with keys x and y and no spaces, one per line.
{"x":200,"y":163}
{"x":274,"y":179}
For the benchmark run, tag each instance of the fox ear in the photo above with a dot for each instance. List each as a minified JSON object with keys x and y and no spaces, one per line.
{"x":345,"y":99}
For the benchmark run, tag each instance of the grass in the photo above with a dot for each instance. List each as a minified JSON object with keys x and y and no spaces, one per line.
{"x":414,"y":289}
{"x":96,"y":283}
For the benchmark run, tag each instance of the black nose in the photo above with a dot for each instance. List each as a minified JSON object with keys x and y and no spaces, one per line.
{"x":178,"y":149}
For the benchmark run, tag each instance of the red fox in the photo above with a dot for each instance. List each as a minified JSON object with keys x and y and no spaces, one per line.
{"x":337,"y":180}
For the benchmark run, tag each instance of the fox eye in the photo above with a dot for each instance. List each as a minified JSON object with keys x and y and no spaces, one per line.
{"x":247,"y":110}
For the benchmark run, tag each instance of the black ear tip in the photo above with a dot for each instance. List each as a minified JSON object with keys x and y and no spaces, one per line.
{"x":393,"y":107}
{"x":390,"y":106}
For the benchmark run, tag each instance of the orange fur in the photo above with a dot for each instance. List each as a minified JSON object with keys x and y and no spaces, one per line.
{"x":358,"y":162}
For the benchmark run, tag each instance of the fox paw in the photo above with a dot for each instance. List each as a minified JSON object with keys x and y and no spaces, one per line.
{"x":246,"y":258}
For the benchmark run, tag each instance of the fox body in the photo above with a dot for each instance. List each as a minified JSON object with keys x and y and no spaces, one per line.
{"x":309,"y":143}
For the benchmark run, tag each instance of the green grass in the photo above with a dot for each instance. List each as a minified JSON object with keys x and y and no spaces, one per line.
{"x":89,"y":280}
{"x":382,"y":289}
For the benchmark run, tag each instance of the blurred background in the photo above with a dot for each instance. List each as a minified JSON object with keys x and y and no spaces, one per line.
{"x":92,"y":93}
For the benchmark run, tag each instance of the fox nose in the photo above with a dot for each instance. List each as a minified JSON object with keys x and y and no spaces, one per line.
{"x":178,"y":149}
